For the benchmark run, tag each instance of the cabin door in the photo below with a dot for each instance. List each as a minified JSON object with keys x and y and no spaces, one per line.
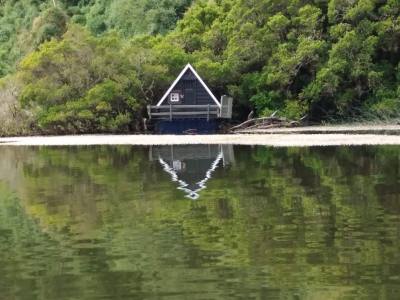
{"x":190,"y":92}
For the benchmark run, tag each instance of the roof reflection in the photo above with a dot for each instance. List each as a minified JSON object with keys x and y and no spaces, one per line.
{"x":191,"y":166}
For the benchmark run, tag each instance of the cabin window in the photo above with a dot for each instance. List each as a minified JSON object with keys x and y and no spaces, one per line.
{"x":178,"y":165}
{"x":174,"y":97}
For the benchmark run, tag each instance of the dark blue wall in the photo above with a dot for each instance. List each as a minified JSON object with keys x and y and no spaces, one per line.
{"x":190,"y":82}
{"x":186,"y":126}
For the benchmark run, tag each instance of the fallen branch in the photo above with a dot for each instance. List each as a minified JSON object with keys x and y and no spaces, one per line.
{"x":250,"y":122}
{"x":266,"y":123}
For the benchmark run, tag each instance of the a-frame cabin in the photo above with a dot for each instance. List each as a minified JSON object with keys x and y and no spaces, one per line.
{"x":189,"y":106}
{"x":189,"y":89}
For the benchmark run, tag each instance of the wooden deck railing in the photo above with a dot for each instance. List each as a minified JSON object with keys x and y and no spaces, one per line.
{"x":191,"y":111}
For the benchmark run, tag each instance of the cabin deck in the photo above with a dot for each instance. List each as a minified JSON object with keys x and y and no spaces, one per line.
{"x":170,"y":112}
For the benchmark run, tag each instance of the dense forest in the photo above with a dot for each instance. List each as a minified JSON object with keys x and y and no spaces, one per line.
{"x":84,"y":66}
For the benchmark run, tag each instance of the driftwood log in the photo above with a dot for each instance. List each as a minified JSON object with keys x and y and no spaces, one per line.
{"x":266,"y":123}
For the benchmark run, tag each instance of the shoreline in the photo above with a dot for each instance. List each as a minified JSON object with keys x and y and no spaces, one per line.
{"x":275,"y":140}
{"x":374,"y":129}
{"x":322,"y":135}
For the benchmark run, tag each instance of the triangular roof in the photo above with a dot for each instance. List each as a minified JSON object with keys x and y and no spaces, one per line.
{"x":188,"y":67}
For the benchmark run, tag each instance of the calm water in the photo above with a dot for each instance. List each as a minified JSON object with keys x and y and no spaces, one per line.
{"x":199,"y":222}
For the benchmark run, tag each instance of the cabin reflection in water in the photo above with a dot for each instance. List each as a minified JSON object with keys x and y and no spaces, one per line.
{"x":191,"y":166}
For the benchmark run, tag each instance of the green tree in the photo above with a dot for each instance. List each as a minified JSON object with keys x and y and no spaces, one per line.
{"x":82,"y":84}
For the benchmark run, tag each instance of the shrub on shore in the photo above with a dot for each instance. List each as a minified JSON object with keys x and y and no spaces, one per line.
{"x":13,"y":119}
{"x":84,"y":84}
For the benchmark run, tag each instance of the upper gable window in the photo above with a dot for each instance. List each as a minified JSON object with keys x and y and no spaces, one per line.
{"x":174,"y":97}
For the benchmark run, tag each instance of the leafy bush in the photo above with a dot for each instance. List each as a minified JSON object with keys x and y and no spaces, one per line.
{"x":84,"y":84}
{"x":295,"y":110}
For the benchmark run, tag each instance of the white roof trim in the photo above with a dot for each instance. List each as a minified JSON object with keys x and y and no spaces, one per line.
{"x":188,"y":66}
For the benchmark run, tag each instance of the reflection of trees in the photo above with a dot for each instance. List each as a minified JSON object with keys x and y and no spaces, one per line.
{"x":317,"y":222}
{"x":311,"y":215}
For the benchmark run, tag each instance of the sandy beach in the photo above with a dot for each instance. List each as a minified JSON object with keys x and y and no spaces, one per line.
{"x":278,"y":137}
{"x":276,"y":140}
{"x":349,"y":128}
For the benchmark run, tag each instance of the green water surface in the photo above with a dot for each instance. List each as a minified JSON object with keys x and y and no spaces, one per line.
{"x":199,"y":222}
